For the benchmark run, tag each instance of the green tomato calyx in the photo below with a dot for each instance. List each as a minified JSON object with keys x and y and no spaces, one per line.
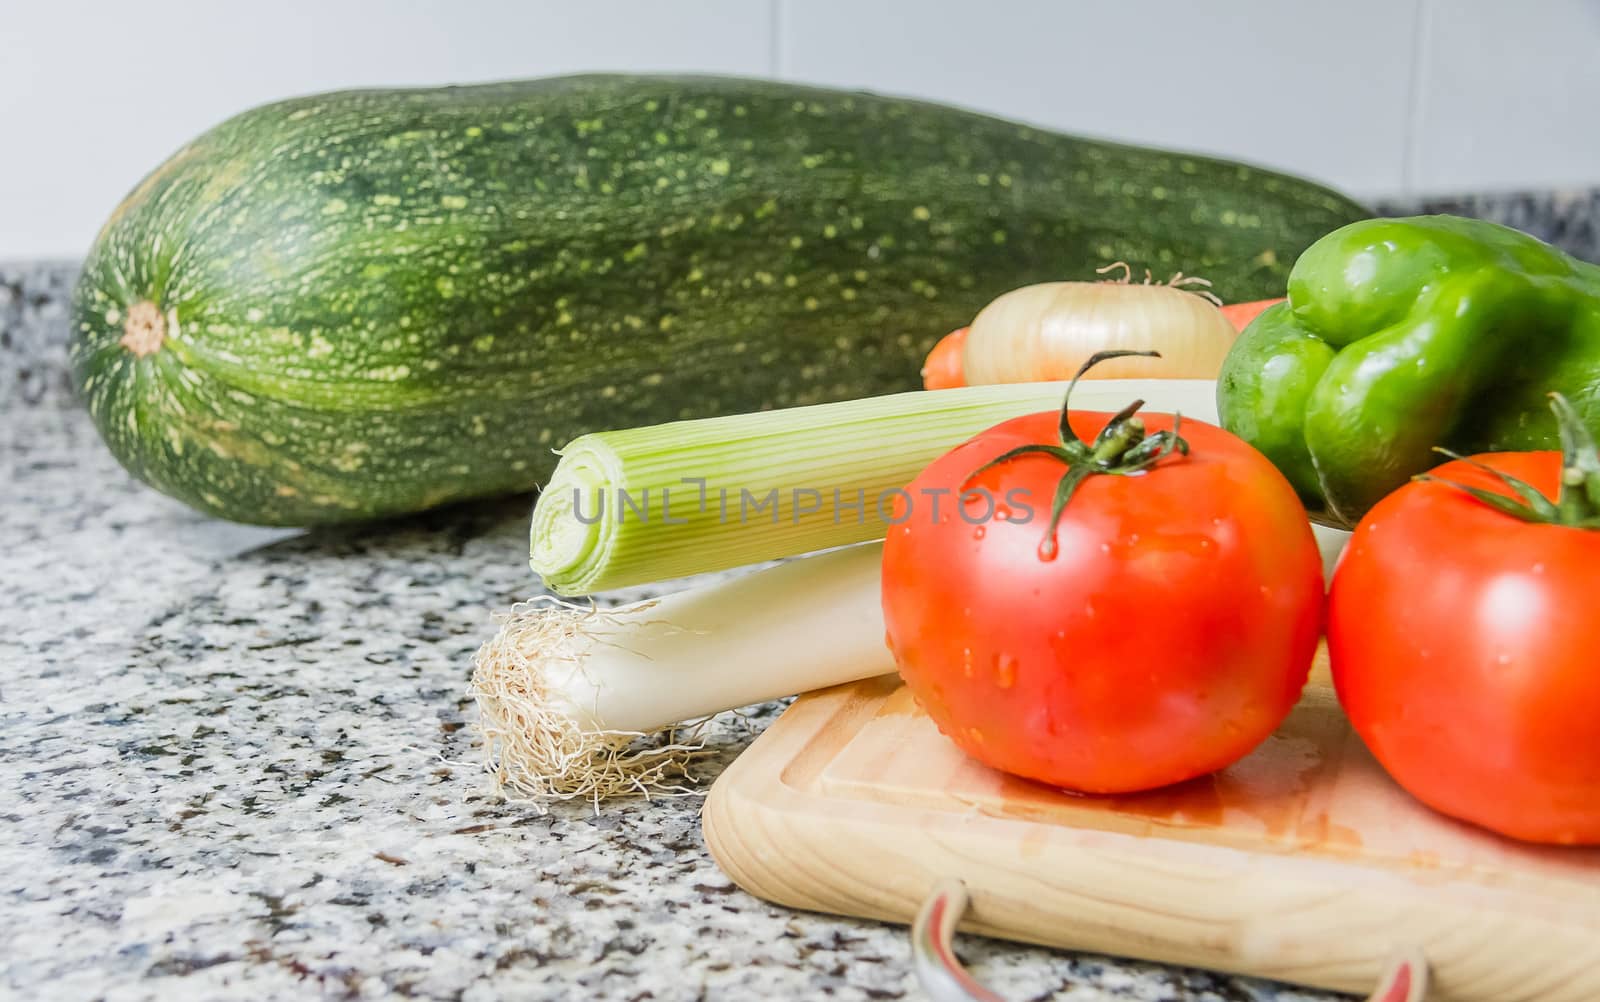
{"x":1121,"y":449}
{"x":1577,"y":505}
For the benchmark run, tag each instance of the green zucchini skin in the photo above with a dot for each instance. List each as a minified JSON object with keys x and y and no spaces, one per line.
{"x":369,"y":303}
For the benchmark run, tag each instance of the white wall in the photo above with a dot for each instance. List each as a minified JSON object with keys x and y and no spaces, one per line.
{"x":1379,"y":97}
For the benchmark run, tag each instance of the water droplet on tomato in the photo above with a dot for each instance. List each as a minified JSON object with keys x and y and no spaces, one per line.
{"x":1503,"y":659}
{"x":1105,"y":547}
{"x":1005,"y":671}
{"x":1002,"y":513}
{"x":1048,"y":549}
{"x":975,"y":735}
{"x":979,"y":532}
{"x":966,"y":661}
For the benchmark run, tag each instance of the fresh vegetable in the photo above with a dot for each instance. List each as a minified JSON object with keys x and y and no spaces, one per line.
{"x":371,"y":302}
{"x":643,"y":504}
{"x":1403,"y":334}
{"x":1240,"y":314}
{"x":942,"y":369}
{"x":566,"y":694}
{"x":1462,"y":638}
{"x":1114,"y":603}
{"x":1046,"y":331}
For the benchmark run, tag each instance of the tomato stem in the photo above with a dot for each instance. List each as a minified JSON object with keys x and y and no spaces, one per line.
{"x":1579,"y":499}
{"x":1121,"y":449}
{"x":1577,"y":503}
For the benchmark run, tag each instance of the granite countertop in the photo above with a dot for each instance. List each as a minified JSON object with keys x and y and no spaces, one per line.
{"x":240,"y":766}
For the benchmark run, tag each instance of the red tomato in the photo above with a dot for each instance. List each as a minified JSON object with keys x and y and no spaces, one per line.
{"x":1463,"y":643}
{"x":1169,"y":630}
{"x":1240,"y":314}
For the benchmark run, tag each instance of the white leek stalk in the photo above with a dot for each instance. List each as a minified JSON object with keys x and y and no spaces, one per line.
{"x":564,"y":693}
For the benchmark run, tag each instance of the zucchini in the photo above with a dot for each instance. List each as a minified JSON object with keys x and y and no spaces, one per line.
{"x":372,"y":302}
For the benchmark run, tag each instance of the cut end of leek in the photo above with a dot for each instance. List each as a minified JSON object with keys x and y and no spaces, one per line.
{"x":540,"y":746}
{"x":571,"y":528}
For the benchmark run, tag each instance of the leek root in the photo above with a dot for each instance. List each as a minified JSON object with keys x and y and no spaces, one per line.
{"x":565,"y":694}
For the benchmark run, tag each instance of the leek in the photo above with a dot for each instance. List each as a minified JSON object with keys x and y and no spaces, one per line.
{"x":646,"y":504}
{"x":565,"y":694}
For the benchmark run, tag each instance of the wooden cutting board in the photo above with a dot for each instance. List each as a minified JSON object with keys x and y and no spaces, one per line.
{"x":1304,"y":862}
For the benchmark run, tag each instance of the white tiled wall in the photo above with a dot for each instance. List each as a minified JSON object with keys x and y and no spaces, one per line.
{"x":1506,"y":95}
{"x":1326,"y":98}
{"x":1379,"y":97}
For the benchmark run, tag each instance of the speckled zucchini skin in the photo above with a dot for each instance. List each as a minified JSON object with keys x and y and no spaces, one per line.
{"x":367,"y":303}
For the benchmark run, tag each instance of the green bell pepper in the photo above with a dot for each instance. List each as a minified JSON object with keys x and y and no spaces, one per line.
{"x":1400,"y":335}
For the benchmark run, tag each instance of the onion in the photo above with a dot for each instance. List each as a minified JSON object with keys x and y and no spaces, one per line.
{"x":1047,"y":331}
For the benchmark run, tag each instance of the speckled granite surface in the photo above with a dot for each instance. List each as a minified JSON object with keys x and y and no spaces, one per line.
{"x":233,"y":763}
{"x":239,"y":766}
{"x":33,"y":333}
